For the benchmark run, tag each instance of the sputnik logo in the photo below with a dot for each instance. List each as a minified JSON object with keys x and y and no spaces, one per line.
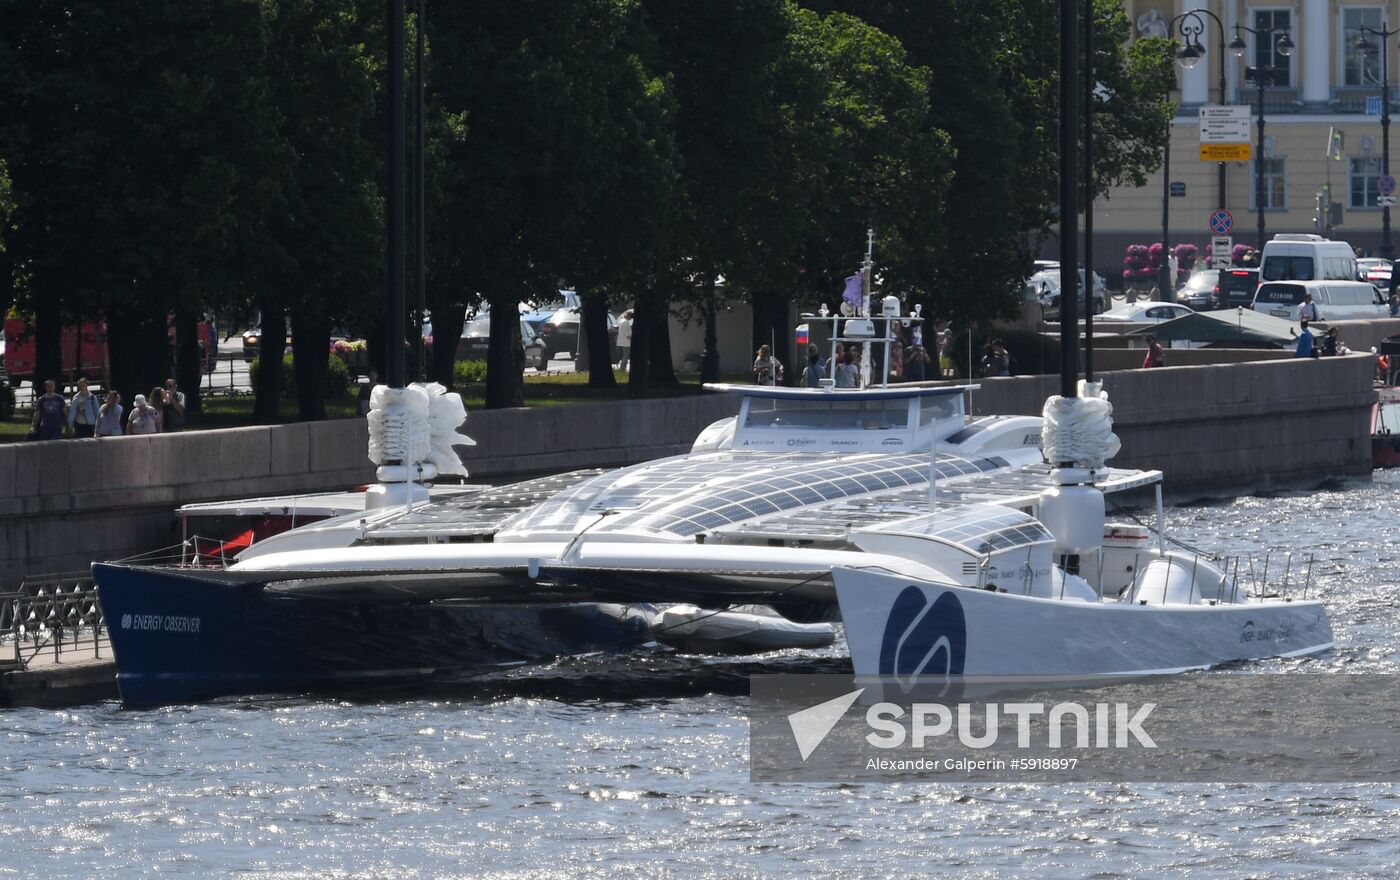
{"x":813,"y":725}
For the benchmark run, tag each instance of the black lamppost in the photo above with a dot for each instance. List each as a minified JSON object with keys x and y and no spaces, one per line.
{"x":1263,"y":75}
{"x":1364,"y":46}
{"x":1191,"y":27}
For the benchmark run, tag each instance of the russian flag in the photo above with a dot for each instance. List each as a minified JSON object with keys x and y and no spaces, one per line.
{"x":801,"y":334}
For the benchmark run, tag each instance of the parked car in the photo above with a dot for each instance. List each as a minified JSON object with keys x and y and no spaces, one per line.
{"x":1045,"y":288}
{"x":253,"y":337}
{"x":1376,"y":271}
{"x":558,"y":334}
{"x":476,"y":341}
{"x":1146,"y":312}
{"x":1198,"y":293}
{"x":1235,"y":288}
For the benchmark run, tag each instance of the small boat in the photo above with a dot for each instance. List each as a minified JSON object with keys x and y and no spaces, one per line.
{"x":1385,"y":428}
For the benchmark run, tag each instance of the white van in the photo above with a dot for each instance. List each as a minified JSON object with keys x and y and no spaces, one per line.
{"x":1306,"y":256}
{"x":1335,"y":300}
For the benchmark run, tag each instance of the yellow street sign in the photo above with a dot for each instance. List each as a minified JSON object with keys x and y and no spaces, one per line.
{"x":1225,"y":152}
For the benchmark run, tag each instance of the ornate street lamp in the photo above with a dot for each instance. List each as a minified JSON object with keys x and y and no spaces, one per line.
{"x":1263,"y":75}
{"x":1192,"y":27}
{"x":1365,"y":46}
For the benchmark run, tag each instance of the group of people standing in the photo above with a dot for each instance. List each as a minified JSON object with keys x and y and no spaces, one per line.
{"x":83,"y":416}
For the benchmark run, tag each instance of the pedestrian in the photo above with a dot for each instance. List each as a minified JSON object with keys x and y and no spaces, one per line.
{"x":813,"y":375}
{"x":1155,"y":356}
{"x":366,"y":389}
{"x":838,"y":357}
{"x":896,"y":360}
{"x":847,"y":372}
{"x":1003,"y":356}
{"x":109,"y":416}
{"x":916,"y":362}
{"x":173,"y":414}
{"x":82,"y":411}
{"x":1304,"y":347}
{"x":1307,"y":309}
{"x":1332,"y":344}
{"x":144,"y":417}
{"x":50,"y":413}
{"x":767,"y":370}
{"x":624,"y":340}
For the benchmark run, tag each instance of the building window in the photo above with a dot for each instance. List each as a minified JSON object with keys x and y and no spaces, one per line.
{"x":1266,"y":53}
{"x":1361,"y":69}
{"x":1274,"y":183}
{"x":1365,"y":180}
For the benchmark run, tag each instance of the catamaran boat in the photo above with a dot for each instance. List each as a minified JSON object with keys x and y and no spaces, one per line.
{"x":415,"y":587}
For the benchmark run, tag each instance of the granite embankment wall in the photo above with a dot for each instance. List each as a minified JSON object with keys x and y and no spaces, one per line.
{"x":65,"y":503}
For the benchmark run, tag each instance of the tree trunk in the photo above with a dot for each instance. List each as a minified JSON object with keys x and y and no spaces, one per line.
{"x":505,"y":359}
{"x":709,"y":359}
{"x":272,"y":343}
{"x":661,"y":371}
{"x":447,"y":329}
{"x":48,"y":342}
{"x":137,"y":351}
{"x":189,"y":360}
{"x":311,"y":336}
{"x":593,"y":324}
{"x":638,"y":371}
{"x":770,"y":328}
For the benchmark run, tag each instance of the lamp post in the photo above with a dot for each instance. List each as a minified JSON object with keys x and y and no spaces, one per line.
{"x":1364,"y":45}
{"x":1191,"y":27}
{"x":1262,"y":75}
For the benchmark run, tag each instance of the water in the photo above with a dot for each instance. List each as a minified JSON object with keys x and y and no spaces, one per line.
{"x":604,"y":768}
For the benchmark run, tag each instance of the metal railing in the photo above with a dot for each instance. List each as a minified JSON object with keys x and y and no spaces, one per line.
{"x":51,"y":614}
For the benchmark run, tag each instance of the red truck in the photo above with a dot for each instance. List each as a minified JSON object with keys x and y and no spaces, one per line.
{"x":84,"y":348}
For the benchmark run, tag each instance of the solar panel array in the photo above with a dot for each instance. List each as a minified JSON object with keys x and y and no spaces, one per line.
{"x":690,"y":495}
{"x":480,"y":514}
{"x":981,"y":528}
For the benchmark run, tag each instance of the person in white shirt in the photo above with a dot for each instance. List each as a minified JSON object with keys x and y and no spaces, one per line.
{"x":144,"y":417}
{"x":1308,"y":309}
{"x":82,"y":411}
{"x":624,"y":340}
{"x":109,"y":416}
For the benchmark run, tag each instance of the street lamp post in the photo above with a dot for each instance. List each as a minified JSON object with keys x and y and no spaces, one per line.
{"x":1263,"y":74}
{"x":1364,"y":45}
{"x":1191,"y":27}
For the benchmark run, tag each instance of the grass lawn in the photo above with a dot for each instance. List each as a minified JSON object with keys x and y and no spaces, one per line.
{"x":552,"y":389}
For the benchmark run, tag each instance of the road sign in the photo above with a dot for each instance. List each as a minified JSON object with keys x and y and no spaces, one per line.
{"x":1222,"y":247}
{"x":1373,"y":105}
{"x":1224,"y":125}
{"x":1225,"y":152}
{"x":1221,"y":222}
{"x":1386,"y":185}
{"x":1385,"y":201}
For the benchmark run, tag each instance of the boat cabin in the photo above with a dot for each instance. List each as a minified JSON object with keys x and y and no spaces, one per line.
{"x":827,"y":420}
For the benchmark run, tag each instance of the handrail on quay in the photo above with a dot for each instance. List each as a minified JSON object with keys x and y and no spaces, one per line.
{"x":50,"y":613}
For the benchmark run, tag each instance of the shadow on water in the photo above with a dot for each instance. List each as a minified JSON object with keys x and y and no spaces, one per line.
{"x":588,"y":679}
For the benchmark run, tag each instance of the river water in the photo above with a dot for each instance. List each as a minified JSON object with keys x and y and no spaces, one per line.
{"x":638,"y":768}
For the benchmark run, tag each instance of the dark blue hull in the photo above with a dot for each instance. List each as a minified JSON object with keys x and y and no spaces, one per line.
{"x":179,"y":637}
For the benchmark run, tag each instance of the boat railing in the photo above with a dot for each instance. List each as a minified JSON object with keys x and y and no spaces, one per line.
{"x":53,"y":614}
{"x":1244,"y":576}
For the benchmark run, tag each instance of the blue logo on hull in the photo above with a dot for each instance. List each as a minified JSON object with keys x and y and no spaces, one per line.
{"x":923,"y":639}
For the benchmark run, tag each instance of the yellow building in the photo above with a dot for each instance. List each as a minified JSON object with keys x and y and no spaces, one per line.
{"x":1320,"y":85}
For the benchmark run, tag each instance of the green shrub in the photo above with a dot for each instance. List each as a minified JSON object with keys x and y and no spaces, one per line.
{"x":466,"y":373}
{"x":337,"y":377}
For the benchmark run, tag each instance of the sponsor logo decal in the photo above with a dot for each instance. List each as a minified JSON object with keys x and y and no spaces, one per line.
{"x":922,"y":639}
{"x":171,"y":623}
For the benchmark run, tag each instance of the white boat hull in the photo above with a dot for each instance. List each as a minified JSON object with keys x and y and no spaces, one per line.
{"x":903,"y":627}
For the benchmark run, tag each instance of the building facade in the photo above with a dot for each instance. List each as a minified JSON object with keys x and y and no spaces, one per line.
{"x":1322,"y":134}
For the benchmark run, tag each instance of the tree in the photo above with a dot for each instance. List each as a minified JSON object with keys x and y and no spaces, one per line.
{"x":544,"y":132}
{"x":140,"y":144}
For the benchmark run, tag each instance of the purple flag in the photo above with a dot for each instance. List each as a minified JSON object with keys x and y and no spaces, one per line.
{"x":852,"y":293}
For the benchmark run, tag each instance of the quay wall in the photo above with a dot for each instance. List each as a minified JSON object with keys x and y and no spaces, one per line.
{"x":66,"y":503}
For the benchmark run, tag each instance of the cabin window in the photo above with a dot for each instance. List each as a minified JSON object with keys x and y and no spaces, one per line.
{"x":824,"y":415}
